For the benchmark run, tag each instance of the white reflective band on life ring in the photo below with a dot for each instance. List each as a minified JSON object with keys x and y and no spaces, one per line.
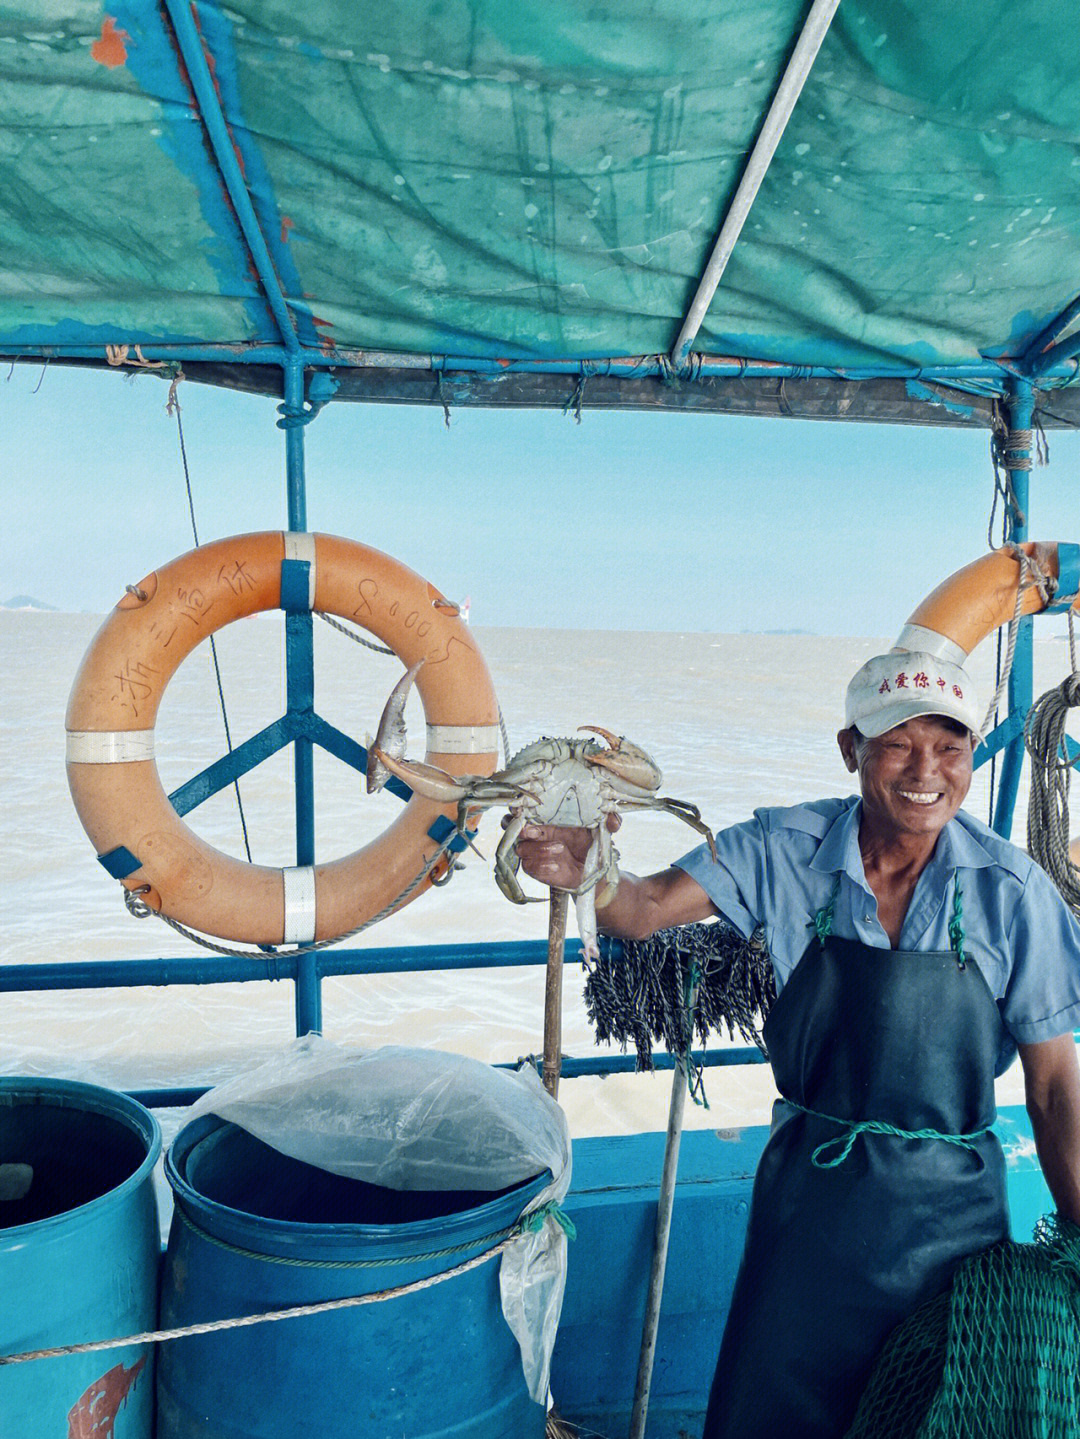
{"x":299,"y":888}
{"x":462,"y":739}
{"x":299,"y":545}
{"x":109,"y":746}
{"x":918,"y":637}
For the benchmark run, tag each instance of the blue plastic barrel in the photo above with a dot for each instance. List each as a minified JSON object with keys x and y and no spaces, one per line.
{"x":254,"y":1230}
{"x":79,"y":1256}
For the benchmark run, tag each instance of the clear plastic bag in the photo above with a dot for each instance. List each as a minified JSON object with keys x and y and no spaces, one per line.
{"x":423,"y":1119}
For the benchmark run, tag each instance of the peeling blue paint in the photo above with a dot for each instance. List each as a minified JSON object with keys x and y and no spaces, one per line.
{"x":153,"y":61}
{"x":67,"y":334}
{"x":217,"y":34}
{"x":1025,"y":329}
{"x":918,"y":391}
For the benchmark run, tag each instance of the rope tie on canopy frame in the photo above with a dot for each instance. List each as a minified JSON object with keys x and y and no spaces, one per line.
{"x":1012,"y":450}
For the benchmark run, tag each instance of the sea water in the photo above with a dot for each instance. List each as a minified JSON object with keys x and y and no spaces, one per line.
{"x":734,"y":721}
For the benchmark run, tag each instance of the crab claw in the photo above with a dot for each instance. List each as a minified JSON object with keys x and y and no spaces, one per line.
{"x":615,"y":741}
{"x":425,"y":779}
{"x":391,"y":737}
{"x":626,"y":761}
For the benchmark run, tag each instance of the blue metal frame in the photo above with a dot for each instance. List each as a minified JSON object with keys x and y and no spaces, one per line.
{"x":989,"y":376}
{"x":1048,"y":350}
{"x":1008,"y":737}
{"x":407,"y":959}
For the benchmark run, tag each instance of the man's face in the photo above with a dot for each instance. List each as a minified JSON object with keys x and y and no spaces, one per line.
{"x":913,"y":778}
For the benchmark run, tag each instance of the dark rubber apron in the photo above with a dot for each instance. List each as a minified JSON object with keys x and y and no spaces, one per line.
{"x":850,"y":1228}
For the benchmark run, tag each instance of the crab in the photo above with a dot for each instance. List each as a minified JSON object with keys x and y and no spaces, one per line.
{"x":553,"y":781}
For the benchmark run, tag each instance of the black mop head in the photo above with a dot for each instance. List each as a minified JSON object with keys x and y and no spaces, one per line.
{"x":636,"y":993}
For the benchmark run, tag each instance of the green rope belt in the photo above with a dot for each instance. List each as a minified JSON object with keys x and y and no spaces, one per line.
{"x":854,"y":1127}
{"x":527,"y":1224}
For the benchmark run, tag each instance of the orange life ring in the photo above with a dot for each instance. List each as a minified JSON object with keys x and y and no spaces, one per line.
{"x":114,"y":702}
{"x":981,"y":597}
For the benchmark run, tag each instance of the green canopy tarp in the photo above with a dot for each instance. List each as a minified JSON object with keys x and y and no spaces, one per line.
{"x":541,"y":180}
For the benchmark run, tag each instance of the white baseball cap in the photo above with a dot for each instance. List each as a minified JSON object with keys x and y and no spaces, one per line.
{"x":893,"y":688}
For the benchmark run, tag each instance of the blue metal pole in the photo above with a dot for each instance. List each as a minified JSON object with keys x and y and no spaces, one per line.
{"x":300,"y":686}
{"x":594,"y":1065}
{"x":1057,"y":356}
{"x":293,"y":424}
{"x":221,"y":142}
{"x":1019,"y":409}
{"x":1044,"y":350}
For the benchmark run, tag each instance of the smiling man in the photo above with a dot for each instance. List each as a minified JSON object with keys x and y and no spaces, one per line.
{"x":915,"y":954}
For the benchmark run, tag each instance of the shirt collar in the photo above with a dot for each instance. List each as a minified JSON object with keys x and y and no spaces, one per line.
{"x":957,"y":846}
{"x":839,"y":849}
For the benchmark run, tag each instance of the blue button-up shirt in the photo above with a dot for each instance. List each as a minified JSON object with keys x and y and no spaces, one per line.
{"x":780,"y":868}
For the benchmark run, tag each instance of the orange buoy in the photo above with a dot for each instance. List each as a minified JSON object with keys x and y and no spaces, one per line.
{"x":113,"y":776}
{"x":978,"y":599}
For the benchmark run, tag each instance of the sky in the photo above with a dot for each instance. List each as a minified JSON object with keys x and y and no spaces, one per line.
{"x":654,"y":521}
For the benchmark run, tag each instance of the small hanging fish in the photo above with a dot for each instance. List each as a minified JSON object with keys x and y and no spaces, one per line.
{"x":392,"y":738}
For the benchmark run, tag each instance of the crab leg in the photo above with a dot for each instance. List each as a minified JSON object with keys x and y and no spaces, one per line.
{"x":585,"y":896}
{"x":691,"y":815}
{"x":506,"y":861}
{"x":681,"y":809}
{"x":426,"y":779}
{"x":434,"y":783}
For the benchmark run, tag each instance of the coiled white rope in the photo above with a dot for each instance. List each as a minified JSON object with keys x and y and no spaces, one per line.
{"x":1051,"y":774}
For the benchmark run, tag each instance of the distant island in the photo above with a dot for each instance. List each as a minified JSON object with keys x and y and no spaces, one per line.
{"x":779,"y":632}
{"x":25,"y":602}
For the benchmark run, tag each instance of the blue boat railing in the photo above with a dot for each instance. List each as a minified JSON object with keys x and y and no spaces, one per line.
{"x":404,"y":959}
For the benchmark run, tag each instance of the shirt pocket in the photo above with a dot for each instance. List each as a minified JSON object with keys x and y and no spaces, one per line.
{"x":991,"y":966}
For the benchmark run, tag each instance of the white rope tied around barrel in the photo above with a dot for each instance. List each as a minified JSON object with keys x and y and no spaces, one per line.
{"x":296,"y":1311}
{"x":1051,"y":773}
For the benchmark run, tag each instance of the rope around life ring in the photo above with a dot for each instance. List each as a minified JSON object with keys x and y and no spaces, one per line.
{"x":138,"y":836}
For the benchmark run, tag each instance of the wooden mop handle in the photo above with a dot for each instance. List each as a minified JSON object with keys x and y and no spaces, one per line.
{"x":553,"y":991}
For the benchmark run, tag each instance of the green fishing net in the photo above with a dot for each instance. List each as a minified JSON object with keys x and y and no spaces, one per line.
{"x":997,"y":1357}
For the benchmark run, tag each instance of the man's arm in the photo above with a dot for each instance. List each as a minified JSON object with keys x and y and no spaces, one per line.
{"x":1052,"y":1090}
{"x":640,"y":906}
